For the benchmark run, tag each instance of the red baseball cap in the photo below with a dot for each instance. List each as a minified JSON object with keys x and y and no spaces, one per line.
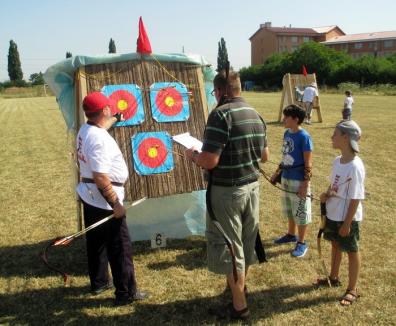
{"x":95,"y":101}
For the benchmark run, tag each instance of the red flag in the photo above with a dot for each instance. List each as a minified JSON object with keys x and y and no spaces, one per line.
{"x":304,"y":71}
{"x":143,"y":42}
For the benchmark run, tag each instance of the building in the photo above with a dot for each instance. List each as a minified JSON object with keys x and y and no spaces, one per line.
{"x":376,"y":43}
{"x":268,"y":40}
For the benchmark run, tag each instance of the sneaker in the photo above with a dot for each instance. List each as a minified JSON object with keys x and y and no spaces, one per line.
{"x":300,"y":250}
{"x":102,"y":289}
{"x":123,"y":301}
{"x":286,"y":239}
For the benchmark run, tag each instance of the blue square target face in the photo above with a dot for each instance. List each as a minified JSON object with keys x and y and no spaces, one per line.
{"x":169,"y":102}
{"x":152,"y":152}
{"x":127,"y":100}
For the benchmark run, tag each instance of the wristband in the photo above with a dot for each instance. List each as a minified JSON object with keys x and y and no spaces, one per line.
{"x":307,"y":173}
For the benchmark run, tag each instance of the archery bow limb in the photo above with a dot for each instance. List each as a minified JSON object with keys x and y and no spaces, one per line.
{"x":319,"y":238}
{"x":68,"y":239}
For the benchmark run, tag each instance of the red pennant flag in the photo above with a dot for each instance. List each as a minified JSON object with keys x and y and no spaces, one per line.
{"x":304,"y":71}
{"x":143,"y":42}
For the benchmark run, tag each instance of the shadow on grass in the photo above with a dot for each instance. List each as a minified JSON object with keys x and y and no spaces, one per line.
{"x":25,"y":259}
{"x":70,"y":306}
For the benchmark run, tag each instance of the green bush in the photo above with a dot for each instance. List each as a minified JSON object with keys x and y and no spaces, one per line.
{"x":332,"y":68}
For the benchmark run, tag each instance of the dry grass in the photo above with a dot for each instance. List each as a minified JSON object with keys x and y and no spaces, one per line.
{"x":37,"y":204}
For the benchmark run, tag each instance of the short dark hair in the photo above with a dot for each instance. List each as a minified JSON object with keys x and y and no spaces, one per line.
{"x":93,"y":115}
{"x":294,"y":111}
{"x":230,"y":85}
{"x":348,"y":93}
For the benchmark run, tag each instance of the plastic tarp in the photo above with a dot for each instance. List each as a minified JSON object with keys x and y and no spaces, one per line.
{"x":176,"y":216}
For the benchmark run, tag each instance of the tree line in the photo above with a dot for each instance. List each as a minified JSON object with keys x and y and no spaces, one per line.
{"x":15,"y":69}
{"x":331,"y":67}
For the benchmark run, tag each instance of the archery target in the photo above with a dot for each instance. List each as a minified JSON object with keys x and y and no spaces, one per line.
{"x":126,"y":99}
{"x":152,"y":153}
{"x":169,"y":102}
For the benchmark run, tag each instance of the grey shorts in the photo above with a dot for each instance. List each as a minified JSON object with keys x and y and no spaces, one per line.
{"x":237,"y":210}
{"x":308,"y":108}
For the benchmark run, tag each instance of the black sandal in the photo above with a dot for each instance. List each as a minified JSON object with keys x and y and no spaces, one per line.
{"x":350,"y":296}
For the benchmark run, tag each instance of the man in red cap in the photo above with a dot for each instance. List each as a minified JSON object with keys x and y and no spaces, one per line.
{"x":103,"y":172}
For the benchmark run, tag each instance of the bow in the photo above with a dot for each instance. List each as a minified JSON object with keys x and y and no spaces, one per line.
{"x":266,"y":177}
{"x":319,"y":238}
{"x":64,"y":241}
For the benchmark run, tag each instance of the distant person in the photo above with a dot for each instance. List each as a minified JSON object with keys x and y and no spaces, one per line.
{"x":103,"y":172}
{"x":344,"y":208}
{"x":309,"y":96}
{"x":348,"y":103}
{"x":296,"y":169}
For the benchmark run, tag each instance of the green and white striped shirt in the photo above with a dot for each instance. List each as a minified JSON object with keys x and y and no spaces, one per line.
{"x":237,"y":133}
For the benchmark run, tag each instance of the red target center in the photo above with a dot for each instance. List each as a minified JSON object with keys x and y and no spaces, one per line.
{"x":123,"y":102}
{"x":169,"y":101}
{"x":152,"y":152}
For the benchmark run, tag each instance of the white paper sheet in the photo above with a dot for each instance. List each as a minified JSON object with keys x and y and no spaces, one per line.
{"x":188,"y":141}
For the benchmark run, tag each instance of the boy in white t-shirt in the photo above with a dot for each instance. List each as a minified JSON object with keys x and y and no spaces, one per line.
{"x":344,"y":208}
{"x":348,"y":103}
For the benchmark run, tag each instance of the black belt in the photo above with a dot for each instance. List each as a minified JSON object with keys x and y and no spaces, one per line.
{"x":235,"y":184}
{"x":88,"y":180}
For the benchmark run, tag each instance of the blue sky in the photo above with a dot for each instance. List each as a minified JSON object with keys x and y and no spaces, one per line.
{"x":45,"y":29}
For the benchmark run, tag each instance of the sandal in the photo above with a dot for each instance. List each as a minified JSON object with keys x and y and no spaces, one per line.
{"x":349,"y":297}
{"x":324,"y":282}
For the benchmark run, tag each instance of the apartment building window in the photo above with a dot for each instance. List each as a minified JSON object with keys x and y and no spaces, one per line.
{"x":282,"y":49}
{"x":306,"y":39}
{"x":358,"y":45}
{"x":388,"y":44}
{"x":294,"y":48}
{"x":294,"y":39}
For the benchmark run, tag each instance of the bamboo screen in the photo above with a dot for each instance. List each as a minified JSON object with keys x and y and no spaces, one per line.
{"x":185,"y":176}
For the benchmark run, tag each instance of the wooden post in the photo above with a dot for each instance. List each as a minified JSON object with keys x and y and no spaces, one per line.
{"x":289,"y":83}
{"x":80,"y":89}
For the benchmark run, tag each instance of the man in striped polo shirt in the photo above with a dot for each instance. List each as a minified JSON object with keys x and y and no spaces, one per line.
{"x":234,"y":143}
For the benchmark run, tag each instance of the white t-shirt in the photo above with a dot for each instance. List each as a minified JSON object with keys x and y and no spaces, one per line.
{"x":309,"y":93}
{"x":348,"y":102}
{"x":98,"y":152}
{"x":337,"y":206}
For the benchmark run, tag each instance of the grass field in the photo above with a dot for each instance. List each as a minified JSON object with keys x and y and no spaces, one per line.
{"x":37,"y":204}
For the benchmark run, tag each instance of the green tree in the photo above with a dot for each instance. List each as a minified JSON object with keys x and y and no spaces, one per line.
{"x":14,"y":63}
{"x":112,"y":46}
{"x":222,"y":55}
{"x":37,"y":78}
{"x":68,"y":54}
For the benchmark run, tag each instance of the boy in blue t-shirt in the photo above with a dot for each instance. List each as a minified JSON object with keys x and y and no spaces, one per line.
{"x":296,"y":169}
